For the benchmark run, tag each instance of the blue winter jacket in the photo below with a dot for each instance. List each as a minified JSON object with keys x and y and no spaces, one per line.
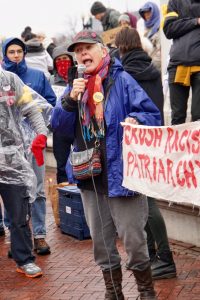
{"x":125,"y":99}
{"x":32,"y":77}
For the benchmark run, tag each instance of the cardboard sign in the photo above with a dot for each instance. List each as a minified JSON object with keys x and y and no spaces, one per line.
{"x":108,"y":36}
{"x":163,"y":162}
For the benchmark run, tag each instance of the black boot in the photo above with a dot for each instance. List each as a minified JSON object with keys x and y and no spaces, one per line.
{"x":163,"y":266}
{"x":145,"y":284}
{"x":2,"y":231}
{"x":113,"y":284}
{"x":152,"y":254}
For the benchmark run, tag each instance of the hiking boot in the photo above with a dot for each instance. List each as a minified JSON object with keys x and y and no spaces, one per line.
{"x":113,"y":283}
{"x":2,"y":231}
{"x":163,"y":267}
{"x":145,"y":284}
{"x":41,"y":247}
{"x":30,"y":270}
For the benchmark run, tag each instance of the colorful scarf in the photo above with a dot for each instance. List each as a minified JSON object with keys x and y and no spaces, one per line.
{"x":62,"y":67}
{"x":91,"y":112}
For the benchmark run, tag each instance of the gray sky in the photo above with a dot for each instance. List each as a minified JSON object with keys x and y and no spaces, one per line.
{"x":52,"y":17}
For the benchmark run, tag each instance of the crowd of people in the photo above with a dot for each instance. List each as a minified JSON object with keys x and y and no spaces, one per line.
{"x":118,"y":81}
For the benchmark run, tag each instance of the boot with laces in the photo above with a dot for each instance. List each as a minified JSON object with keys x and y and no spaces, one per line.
{"x":30,"y":270}
{"x":41,"y":247}
{"x":145,"y":284}
{"x":113,"y":283}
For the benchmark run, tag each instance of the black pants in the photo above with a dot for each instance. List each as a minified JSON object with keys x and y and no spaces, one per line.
{"x":156,"y":229}
{"x":61,"y":151}
{"x":179,"y":95}
{"x":16,"y":202}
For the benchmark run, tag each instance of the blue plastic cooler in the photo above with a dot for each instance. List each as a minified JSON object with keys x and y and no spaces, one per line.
{"x":72,"y":218}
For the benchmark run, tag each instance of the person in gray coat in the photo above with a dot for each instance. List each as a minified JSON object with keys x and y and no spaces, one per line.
{"x":108,"y":16}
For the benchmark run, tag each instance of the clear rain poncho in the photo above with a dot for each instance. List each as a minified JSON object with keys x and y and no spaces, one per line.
{"x":18,"y":103}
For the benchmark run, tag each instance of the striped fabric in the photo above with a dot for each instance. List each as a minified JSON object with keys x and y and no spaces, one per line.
{"x":90,"y":168}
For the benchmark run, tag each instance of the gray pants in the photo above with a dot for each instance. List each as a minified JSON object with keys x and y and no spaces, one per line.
{"x":125,"y":215}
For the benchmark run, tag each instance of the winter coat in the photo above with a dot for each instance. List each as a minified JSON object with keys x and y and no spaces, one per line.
{"x":38,"y":58}
{"x":110,"y":19}
{"x":181,"y":25}
{"x":139,"y":65}
{"x":31,"y":77}
{"x":124,"y":99}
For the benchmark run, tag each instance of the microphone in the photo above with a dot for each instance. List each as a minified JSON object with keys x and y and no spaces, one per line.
{"x":81,"y":70}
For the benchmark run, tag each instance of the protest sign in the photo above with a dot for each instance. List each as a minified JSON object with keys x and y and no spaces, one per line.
{"x":163,"y":162}
{"x":108,"y":36}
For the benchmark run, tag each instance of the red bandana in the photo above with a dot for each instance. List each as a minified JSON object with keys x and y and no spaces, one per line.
{"x":62,"y":67}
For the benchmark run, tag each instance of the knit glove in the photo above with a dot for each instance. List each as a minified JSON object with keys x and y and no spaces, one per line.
{"x":38,"y":145}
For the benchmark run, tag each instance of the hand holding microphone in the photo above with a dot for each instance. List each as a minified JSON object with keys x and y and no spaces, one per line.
{"x":79,"y":84}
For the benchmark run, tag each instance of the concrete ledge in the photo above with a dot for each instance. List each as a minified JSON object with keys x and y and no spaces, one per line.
{"x":182,"y":222}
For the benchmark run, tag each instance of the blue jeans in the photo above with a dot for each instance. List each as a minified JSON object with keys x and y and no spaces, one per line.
{"x":4,"y":220}
{"x":38,"y":207}
{"x":16,"y":202}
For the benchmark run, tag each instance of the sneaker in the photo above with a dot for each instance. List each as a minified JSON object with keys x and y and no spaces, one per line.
{"x":41,"y":247}
{"x":2,"y":231}
{"x":161,"y":269}
{"x":30,"y":270}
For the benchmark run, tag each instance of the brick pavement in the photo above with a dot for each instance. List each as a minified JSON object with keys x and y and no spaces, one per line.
{"x":70,"y":272}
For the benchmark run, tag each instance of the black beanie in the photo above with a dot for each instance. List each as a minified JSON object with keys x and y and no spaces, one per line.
{"x":16,"y":41}
{"x":97,"y":8}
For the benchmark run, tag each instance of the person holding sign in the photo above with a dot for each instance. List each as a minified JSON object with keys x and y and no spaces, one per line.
{"x":139,"y":65}
{"x":92,"y":109}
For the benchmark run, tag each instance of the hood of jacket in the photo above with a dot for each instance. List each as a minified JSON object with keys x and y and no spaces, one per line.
{"x":34,"y":45}
{"x":139,"y":65}
{"x":7,"y":64}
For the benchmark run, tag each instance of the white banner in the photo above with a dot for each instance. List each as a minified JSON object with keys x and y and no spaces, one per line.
{"x":163,"y":162}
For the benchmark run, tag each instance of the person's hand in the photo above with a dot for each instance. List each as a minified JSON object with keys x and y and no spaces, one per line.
{"x":38,"y":145}
{"x":131,"y":121}
{"x":198,"y":21}
{"x":78,"y":88}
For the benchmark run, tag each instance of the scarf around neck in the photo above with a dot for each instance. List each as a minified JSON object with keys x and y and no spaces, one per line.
{"x":92,"y":118}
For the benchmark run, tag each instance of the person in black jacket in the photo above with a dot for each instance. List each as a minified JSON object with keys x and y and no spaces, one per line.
{"x":182,"y":24}
{"x":139,"y":65}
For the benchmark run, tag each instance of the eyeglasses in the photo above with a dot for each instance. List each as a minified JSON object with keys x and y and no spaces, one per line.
{"x":12,"y":52}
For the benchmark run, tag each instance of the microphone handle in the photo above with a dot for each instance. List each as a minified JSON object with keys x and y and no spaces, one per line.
{"x":80,"y":75}
{"x":79,"y":97}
